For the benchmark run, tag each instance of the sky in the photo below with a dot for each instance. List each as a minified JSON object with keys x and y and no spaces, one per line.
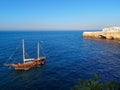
{"x":59,"y":14}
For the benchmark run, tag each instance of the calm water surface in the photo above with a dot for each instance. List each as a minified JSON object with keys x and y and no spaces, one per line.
{"x":69,"y":57}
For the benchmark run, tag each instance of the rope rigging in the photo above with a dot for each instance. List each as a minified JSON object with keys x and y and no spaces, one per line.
{"x":42,"y":49}
{"x":26,"y":54}
{"x":12,"y":54}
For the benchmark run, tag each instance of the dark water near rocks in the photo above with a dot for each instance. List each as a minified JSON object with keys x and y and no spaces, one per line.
{"x":69,"y":57}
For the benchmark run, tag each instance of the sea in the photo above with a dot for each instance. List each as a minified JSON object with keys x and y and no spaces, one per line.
{"x":69,"y":57}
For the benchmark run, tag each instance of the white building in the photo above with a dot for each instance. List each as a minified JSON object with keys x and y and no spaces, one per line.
{"x":112,"y":29}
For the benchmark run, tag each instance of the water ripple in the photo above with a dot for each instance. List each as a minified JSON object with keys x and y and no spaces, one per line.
{"x":69,"y":57}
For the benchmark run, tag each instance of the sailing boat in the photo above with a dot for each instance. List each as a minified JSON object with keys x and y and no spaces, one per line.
{"x":30,"y":62}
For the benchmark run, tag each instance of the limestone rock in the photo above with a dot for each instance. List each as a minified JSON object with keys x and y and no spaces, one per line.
{"x":110,"y":37}
{"x":112,"y":33}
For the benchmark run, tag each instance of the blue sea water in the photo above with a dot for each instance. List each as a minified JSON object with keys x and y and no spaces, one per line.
{"x":69,"y":57}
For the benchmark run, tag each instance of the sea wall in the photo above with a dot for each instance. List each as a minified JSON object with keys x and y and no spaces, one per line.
{"x":112,"y":33}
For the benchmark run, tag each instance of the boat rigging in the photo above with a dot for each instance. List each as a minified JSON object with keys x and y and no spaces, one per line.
{"x":28,"y":62}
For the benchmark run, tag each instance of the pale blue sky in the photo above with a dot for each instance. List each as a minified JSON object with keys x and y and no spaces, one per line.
{"x":59,"y":14}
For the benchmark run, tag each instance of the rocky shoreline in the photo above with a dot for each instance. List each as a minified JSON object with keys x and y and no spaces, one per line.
{"x":112,"y":33}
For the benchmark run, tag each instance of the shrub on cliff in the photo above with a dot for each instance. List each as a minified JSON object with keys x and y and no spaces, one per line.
{"x":96,"y":84}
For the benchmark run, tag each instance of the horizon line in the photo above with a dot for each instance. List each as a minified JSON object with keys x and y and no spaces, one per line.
{"x":49,"y":30}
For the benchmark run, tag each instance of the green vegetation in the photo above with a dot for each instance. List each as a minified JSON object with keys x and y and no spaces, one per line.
{"x":96,"y":84}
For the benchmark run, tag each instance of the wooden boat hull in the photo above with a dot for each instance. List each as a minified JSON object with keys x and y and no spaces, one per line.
{"x":26,"y":66}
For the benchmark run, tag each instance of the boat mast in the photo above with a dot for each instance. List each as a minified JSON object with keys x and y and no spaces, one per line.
{"x":23,"y":50}
{"x":38,"y":51}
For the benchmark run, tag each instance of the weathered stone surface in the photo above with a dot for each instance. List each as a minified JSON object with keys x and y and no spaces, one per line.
{"x":110,"y":37}
{"x":101,"y":37}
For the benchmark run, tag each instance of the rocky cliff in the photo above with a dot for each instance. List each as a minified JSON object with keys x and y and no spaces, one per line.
{"x":112,"y":33}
